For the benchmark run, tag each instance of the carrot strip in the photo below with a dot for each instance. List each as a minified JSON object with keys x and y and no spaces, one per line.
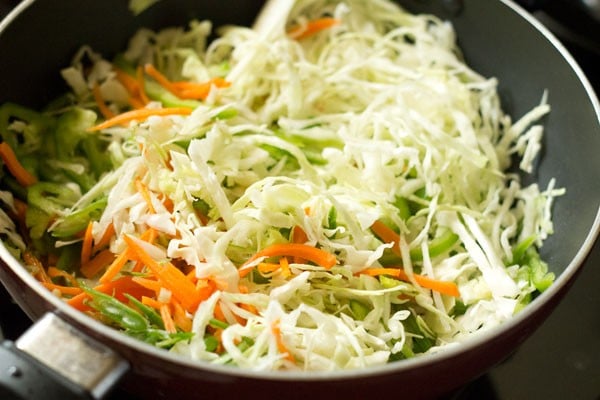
{"x":140,"y":114}
{"x":218,"y":312}
{"x":100,"y":103}
{"x":24,"y":177}
{"x":310,"y":253}
{"x":160,"y":78}
{"x":150,"y":302}
{"x":97,"y":264}
{"x":140,"y":84}
{"x":54,"y":272}
{"x":86,"y":247}
{"x":298,"y":235}
{"x":40,"y":272}
{"x":68,"y":290}
{"x":193,"y":90}
{"x":276,"y":330}
{"x":185,"y":90}
{"x":136,"y":103}
{"x":143,"y":190}
{"x":205,"y":288}
{"x":147,"y":283}
{"x":285,"y":267}
{"x":132,"y":86}
{"x":171,"y":277}
{"x":180,"y":317}
{"x":115,"y":267}
{"x":117,"y":288}
{"x":265,"y":268}
{"x":387,"y":235}
{"x":444,"y":287}
{"x":165,"y":314}
{"x":105,"y":239}
{"x":125,"y":256}
{"x":312,"y":27}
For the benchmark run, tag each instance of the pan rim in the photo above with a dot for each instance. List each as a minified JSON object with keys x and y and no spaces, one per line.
{"x":562,"y":281}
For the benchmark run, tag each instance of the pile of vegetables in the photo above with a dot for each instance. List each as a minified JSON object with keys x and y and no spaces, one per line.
{"x":331,"y":196}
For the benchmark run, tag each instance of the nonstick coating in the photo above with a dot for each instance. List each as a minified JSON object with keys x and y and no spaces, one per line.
{"x":498,"y":40}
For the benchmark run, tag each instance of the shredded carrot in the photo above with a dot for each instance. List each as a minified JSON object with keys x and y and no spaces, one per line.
{"x":40,"y":271}
{"x":285,"y":267}
{"x":147,"y":283}
{"x":117,"y":288}
{"x":299,"y":236}
{"x":444,"y":287}
{"x":170,"y":276}
{"x":199,"y":91}
{"x":165,"y":314}
{"x":136,"y":103}
{"x":218,"y":312}
{"x":186,"y":90}
{"x":115,"y":267}
{"x":159,"y":77}
{"x":64,"y":290}
{"x":387,"y":235}
{"x":54,"y":272}
{"x":205,"y":288}
{"x":180,"y":317}
{"x":104,"y":110}
{"x":143,"y":190}
{"x":86,"y":247}
{"x":265,"y":268}
{"x":150,"y":302}
{"x":140,"y":114}
{"x":99,"y":262}
{"x":307,"y":252}
{"x":141,"y":86}
{"x":132,"y":86}
{"x":312,"y":27}
{"x":24,"y":177}
{"x":276,"y":330}
{"x":105,"y":239}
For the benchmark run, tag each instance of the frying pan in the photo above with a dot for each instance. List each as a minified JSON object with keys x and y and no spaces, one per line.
{"x":498,"y":39}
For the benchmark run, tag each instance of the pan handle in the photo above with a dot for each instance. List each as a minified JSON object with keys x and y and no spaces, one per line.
{"x":52,"y":360}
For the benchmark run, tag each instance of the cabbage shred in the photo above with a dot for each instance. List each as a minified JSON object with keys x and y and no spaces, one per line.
{"x":377,"y":118}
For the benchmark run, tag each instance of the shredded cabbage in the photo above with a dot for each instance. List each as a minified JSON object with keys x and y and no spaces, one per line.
{"x":377,"y":118}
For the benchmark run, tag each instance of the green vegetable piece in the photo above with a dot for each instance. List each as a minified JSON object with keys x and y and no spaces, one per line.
{"x":71,"y":129}
{"x":37,"y":221}
{"x":401,"y":203}
{"x":69,"y":257}
{"x":78,"y":221}
{"x":520,"y":249}
{"x":424,"y":341}
{"x":359,"y":309}
{"x":215,"y":323}
{"x":245,"y":343}
{"x":332,"y":218}
{"x":53,"y":198}
{"x":148,"y":312}
{"x":540,"y":277}
{"x":211,"y":343}
{"x":227,"y":114}
{"x":111,"y":308}
{"x":201,"y":206}
{"x":158,"y":93}
{"x":459,"y":308}
{"x":32,"y":136}
{"x":439,"y":245}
